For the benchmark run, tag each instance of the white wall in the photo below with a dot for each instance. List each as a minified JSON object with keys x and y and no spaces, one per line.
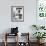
{"x":29,"y":15}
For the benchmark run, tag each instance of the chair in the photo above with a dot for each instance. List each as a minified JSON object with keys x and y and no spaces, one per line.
{"x":14,"y":32}
{"x":7,"y":35}
{"x":26,"y":41}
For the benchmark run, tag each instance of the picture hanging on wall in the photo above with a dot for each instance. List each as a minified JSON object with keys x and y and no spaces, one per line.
{"x":41,"y":12}
{"x":41,"y":8}
{"x":17,"y":13}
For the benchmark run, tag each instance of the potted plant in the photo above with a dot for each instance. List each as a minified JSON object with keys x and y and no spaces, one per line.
{"x":35,"y":26}
{"x":38,"y":27}
{"x":39,"y":35}
{"x":42,"y":27}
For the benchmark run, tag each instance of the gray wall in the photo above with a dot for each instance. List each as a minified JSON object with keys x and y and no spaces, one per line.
{"x":29,"y":15}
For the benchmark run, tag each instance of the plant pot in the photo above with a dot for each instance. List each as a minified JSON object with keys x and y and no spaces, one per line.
{"x":40,"y":41}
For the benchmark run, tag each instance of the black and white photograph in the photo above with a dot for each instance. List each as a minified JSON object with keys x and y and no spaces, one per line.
{"x":17,"y":13}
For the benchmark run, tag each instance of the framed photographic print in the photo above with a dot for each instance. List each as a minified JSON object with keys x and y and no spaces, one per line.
{"x":41,"y":8}
{"x":17,"y":13}
{"x":41,"y":12}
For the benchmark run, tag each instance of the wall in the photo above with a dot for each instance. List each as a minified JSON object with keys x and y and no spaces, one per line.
{"x":29,"y":15}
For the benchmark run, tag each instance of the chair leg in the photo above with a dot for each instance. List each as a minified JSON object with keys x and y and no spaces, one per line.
{"x":5,"y":42}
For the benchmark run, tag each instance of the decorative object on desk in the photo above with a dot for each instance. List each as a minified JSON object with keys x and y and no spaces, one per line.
{"x":14,"y":30}
{"x":17,"y":13}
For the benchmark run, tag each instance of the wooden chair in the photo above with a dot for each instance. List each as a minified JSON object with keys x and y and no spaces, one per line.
{"x":8,"y":34}
{"x":25,"y":36}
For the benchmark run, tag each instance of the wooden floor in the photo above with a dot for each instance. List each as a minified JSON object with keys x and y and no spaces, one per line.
{"x":13,"y":44}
